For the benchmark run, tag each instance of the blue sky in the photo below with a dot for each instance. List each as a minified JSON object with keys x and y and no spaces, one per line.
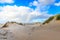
{"x":28,"y":10}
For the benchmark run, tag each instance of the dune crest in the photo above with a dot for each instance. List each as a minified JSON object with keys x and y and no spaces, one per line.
{"x":49,"y":30}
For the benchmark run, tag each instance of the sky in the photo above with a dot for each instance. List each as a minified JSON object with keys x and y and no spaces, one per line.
{"x":27,"y":11}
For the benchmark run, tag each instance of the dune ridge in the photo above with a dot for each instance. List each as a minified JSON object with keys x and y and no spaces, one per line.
{"x":49,"y":30}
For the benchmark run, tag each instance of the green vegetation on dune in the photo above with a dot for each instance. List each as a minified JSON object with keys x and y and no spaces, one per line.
{"x":5,"y":25}
{"x":51,"y":18}
{"x":57,"y":17}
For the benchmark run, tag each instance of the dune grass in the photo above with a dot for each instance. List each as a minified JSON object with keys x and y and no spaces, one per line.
{"x":17,"y":23}
{"x":57,"y":17}
{"x":5,"y":25}
{"x":49,"y":19}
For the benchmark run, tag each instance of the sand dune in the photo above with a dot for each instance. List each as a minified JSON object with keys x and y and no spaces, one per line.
{"x":18,"y":32}
{"x":14,"y":31}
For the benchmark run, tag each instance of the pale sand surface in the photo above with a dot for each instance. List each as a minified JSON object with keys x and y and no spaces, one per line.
{"x":31,"y":32}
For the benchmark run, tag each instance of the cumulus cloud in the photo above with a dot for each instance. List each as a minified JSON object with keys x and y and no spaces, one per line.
{"x":42,"y":7}
{"x":57,"y":4}
{"x":18,"y":14}
{"x":46,"y":2}
{"x":26,"y":14}
{"x":6,"y":1}
{"x":34,"y":3}
{"x":15,"y":13}
{"x":42,"y":4}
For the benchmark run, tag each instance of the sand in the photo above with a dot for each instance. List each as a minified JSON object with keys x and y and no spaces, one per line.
{"x":31,"y":32}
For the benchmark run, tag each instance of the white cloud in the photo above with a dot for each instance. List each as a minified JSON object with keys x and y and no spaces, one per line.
{"x":14,"y":13}
{"x":42,"y":4}
{"x":42,"y":7}
{"x":18,"y":14}
{"x":46,"y":2}
{"x":35,"y":3}
{"x":26,"y":14}
{"x":6,"y":1}
{"x":57,"y":4}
